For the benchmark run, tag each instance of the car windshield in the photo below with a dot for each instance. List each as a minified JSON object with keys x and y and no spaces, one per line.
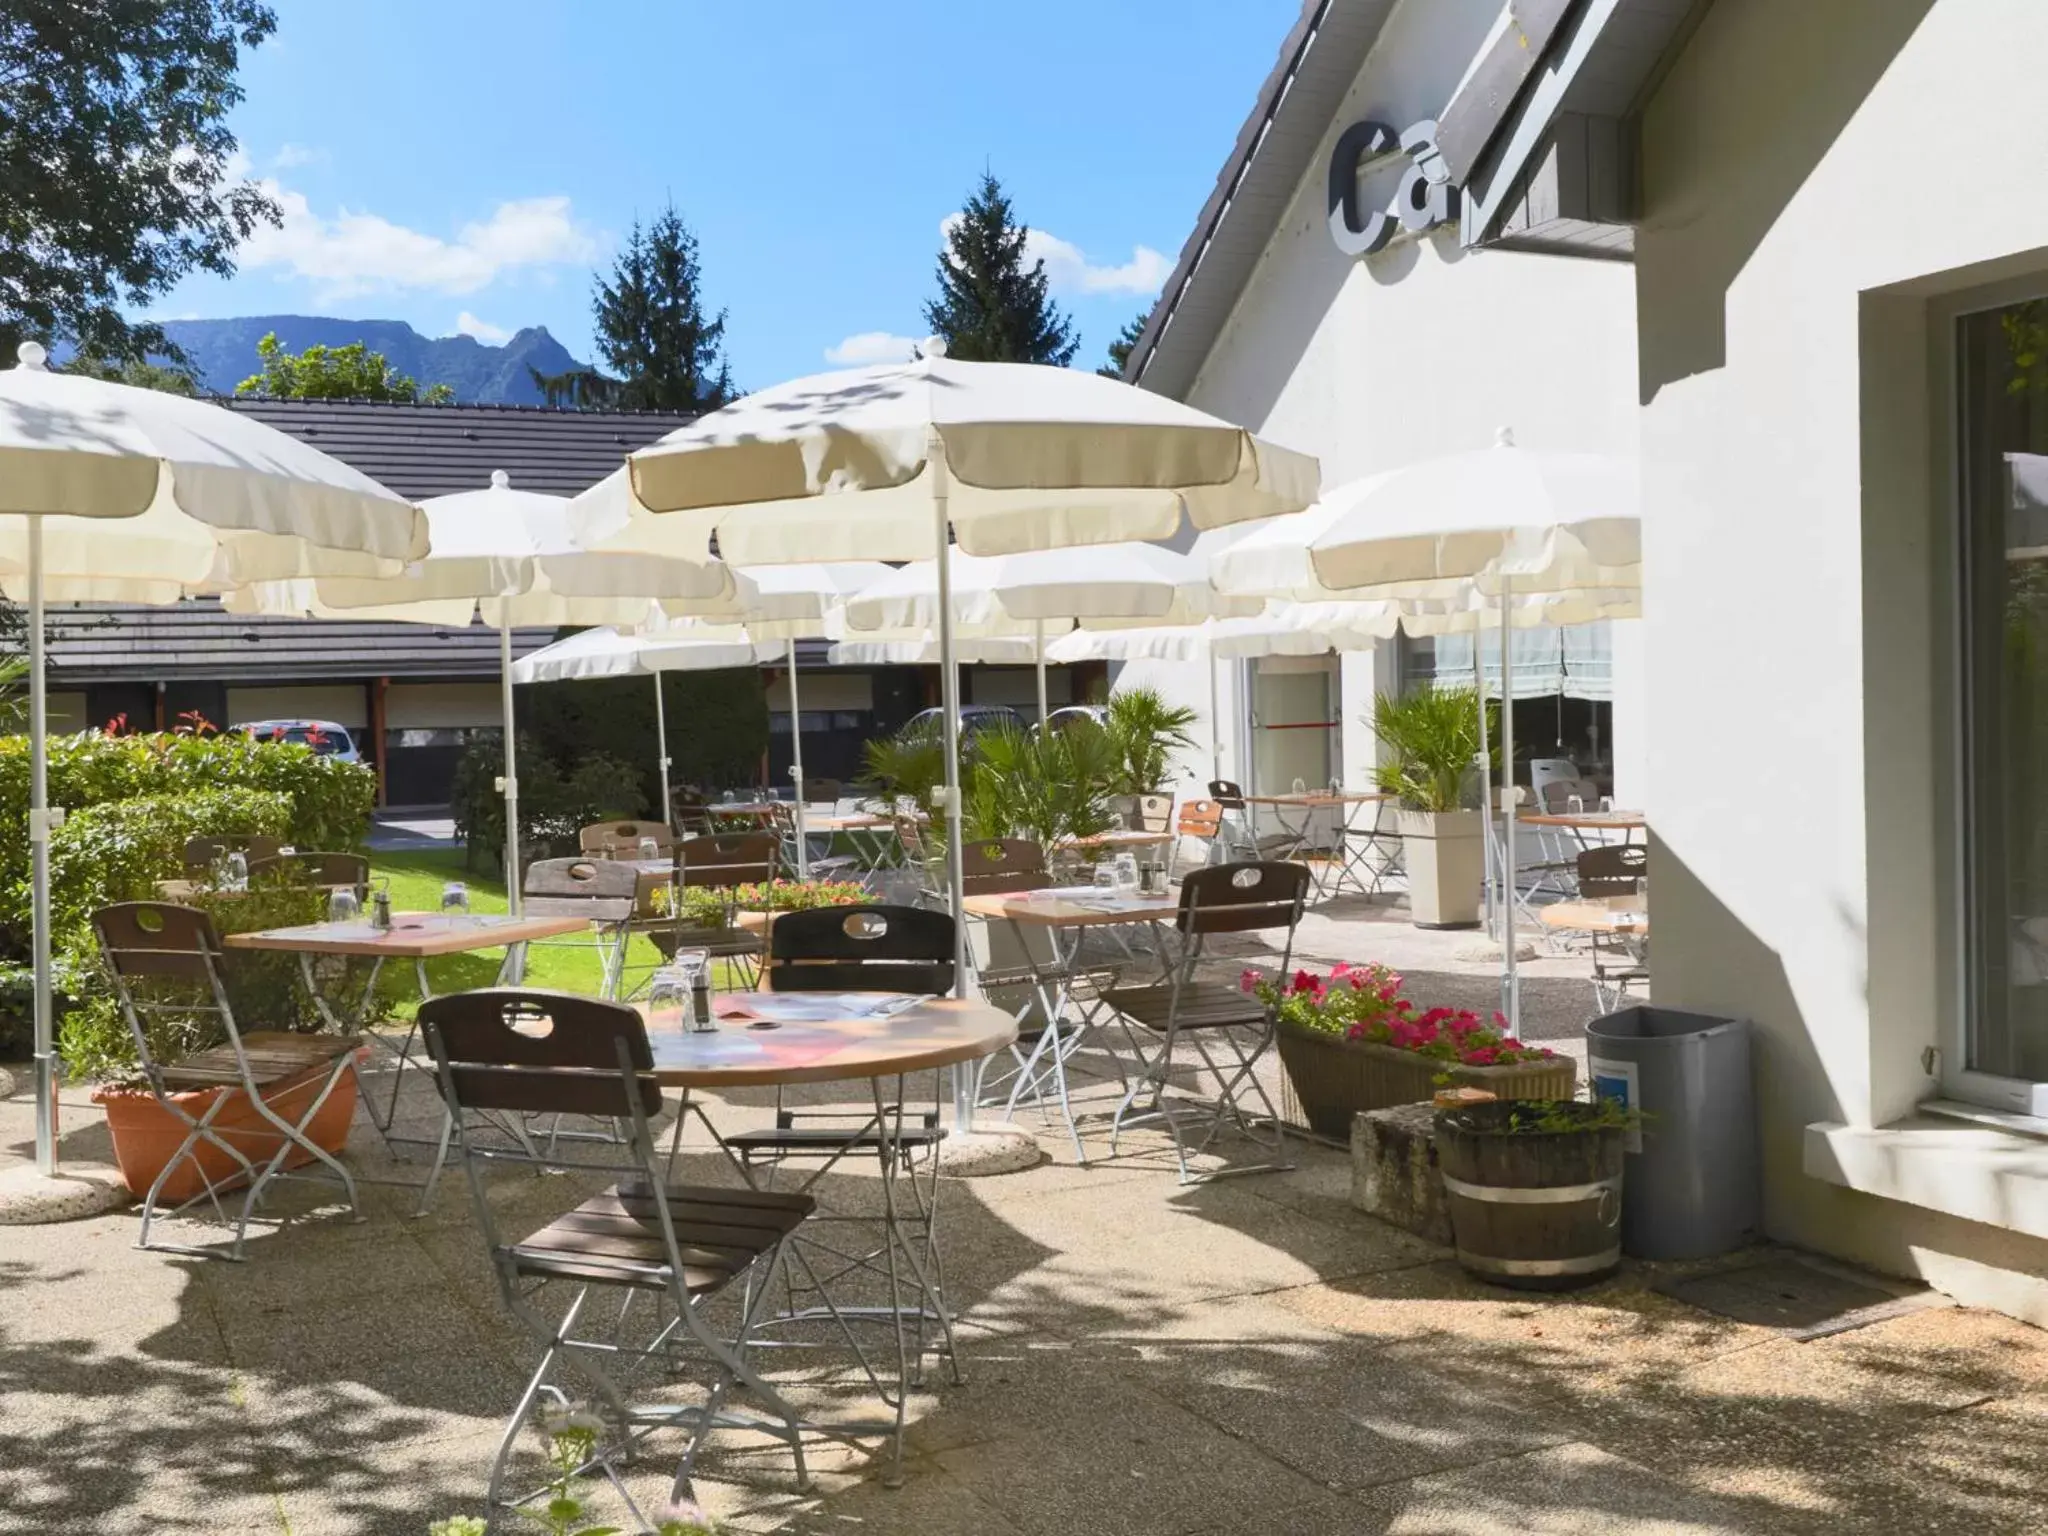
{"x":325,"y":742}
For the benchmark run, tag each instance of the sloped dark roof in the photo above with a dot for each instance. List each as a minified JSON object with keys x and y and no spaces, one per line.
{"x":418,"y":451}
{"x":192,"y":640}
{"x":436,"y":450}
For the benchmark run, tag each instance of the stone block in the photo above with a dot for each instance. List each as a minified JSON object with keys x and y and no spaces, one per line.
{"x":1394,"y":1173}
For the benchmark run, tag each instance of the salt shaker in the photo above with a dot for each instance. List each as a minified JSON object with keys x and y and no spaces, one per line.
{"x":380,"y":907}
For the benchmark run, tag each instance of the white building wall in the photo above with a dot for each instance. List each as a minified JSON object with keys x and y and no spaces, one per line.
{"x":1423,"y":349}
{"x":1794,"y":163}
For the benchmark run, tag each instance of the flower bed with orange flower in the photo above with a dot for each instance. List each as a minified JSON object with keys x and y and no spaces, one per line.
{"x":1352,"y":1041}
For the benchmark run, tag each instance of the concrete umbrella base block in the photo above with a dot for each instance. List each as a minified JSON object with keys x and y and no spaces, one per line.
{"x":1481,"y":950}
{"x":75,"y":1191}
{"x":988,"y":1149}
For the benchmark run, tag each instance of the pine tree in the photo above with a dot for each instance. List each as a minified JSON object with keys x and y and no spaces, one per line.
{"x":1120,"y":349}
{"x":991,"y":308}
{"x":652,"y":329}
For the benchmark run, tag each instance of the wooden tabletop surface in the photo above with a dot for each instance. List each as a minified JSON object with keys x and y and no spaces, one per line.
{"x":1624,"y":914}
{"x":932,"y":1032}
{"x":1618,"y":821}
{"x":827,"y":821}
{"x":1057,"y":908}
{"x":1117,"y":837}
{"x":411,"y":936}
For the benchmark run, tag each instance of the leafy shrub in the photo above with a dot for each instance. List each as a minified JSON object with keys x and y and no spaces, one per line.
{"x":132,"y":803}
{"x":1041,"y":785}
{"x":554,"y":805}
{"x":717,"y":725}
{"x":1144,"y":732}
{"x":1432,"y":738}
{"x":910,"y":765}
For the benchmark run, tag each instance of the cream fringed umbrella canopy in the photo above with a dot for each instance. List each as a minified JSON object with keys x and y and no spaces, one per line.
{"x":903,"y":462}
{"x":131,"y":494}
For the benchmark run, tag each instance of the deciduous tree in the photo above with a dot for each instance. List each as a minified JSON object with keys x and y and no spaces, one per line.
{"x":335,"y":373}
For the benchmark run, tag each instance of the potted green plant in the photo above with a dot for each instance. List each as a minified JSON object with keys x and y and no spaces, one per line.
{"x":1046,"y":786}
{"x":1144,"y":732}
{"x":1431,"y":737}
{"x":1350,"y":1042}
{"x":1534,"y":1188}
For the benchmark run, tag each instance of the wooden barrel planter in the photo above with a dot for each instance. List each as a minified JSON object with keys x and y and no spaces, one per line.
{"x":1334,"y":1078}
{"x":1538,"y":1210}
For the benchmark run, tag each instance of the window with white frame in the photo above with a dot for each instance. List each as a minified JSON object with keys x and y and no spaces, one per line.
{"x":2002,"y":356}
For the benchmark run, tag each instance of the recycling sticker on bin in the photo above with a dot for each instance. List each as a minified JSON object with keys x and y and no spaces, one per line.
{"x":1617,"y":1080}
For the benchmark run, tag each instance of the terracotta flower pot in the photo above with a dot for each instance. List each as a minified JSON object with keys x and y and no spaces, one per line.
{"x":147,"y":1135}
{"x":1335,"y":1078}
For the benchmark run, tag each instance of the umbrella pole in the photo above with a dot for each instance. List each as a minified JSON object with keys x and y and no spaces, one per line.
{"x":511,"y":780}
{"x":39,"y":845}
{"x":949,"y":699}
{"x":668,"y":802}
{"x":1215,"y":719}
{"x":1485,"y":768}
{"x":1038,"y":651}
{"x":1512,"y":990}
{"x":796,"y":769}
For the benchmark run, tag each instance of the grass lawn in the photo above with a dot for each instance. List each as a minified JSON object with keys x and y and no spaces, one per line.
{"x":568,"y":965}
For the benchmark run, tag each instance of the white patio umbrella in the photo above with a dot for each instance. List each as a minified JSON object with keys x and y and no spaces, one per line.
{"x":1047,"y":592}
{"x":506,"y":555}
{"x":650,"y":652}
{"x":899,"y":462}
{"x":1506,"y":519}
{"x":144,"y":496}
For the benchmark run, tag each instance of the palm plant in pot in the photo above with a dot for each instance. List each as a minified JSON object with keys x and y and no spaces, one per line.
{"x":1042,"y":785}
{"x":1143,"y":731}
{"x":1431,"y":737}
{"x":1350,"y":1042}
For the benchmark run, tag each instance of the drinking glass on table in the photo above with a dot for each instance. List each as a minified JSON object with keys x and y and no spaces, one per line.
{"x":343,"y":906}
{"x":650,"y":850}
{"x":1125,"y":867}
{"x":668,"y":997}
{"x":1301,"y":786}
{"x":1105,"y":879}
{"x":1607,"y":805}
{"x":455,"y":898}
{"x":234,"y":870}
{"x":1576,"y":804}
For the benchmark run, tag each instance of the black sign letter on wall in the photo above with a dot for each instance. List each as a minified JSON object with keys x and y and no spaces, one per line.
{"x":1356,"y":232}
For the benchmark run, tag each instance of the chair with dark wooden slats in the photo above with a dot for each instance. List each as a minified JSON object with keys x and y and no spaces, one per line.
{"x":1201,"y":820}
{"x":873,"y":947}
{"x":622,"y":839}
{"x":714,"y":861}
{"x":331,"y":871}
{"x":532,"y":1053}
{"x":165,"y":965}
{"x":1031,"y":978}
{"x":606,"y":891}
{"x":1621,"y":961}
{"x":1228,"y":898}
{"x":203,"y":853}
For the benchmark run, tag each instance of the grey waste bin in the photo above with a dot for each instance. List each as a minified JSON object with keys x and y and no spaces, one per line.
{"x":1689,"y":1186}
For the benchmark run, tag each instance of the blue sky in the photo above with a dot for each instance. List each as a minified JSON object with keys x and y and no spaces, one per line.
{"x":466,"y":166}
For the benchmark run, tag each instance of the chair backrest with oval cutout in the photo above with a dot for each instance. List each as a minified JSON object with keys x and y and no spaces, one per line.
{"x":1618,"y":869}
{"x":156,"y":938}
{"x":1237,"y":898}
{"x":520,"y":1049}
{"x":992,"y":866}
{"x":719,"y":859}
{"x":331,"y":870}
{"x":872,"y":947}
{"x":603,"y":890}
{"x":1227,"y":793}
{"x":622,"y":839}
{"x":1200,"y":818}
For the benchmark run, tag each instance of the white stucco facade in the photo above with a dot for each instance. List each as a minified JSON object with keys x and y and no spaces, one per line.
{"x":1421,"y":350}
{"x":1804,"y":231}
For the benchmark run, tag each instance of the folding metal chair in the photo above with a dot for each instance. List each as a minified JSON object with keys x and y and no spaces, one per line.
{"x":333,"y":871}
{"x":1201,"y":820}
{"x":203,"y":853}
{"x":1238,"y":835}
{"x":882,"y":948}
{"x":604,"y":890}
{"x":165,"y":965}
{"x":1228,"y":898}
{"x":523,"y":1052}
{"x":1154,"y":813}
{"x":1035,"y":980}
{"x":622,"y":839}
{"x":823,"y":865}
{"x":717,"y":861}
{"x":1620,"y":960}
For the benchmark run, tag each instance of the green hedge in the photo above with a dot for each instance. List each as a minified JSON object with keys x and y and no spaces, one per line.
{"x":132,"y":803}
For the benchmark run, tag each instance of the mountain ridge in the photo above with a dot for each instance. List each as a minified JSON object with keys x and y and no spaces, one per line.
{"x":222,"y":353}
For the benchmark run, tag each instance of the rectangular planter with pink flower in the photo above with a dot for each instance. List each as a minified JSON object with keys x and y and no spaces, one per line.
{"x":1350,"y":1042}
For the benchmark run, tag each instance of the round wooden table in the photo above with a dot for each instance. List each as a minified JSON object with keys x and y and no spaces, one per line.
{"x":744,"y":1052}
{"x":1596,"y":917}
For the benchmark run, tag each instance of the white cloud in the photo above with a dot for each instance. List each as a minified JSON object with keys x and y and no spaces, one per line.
{"x":866,"y":347}
{"x":467,"y":324}
{"x":289,"y":155}
{"x":354,"y":253}
{"x":1070,"y":271}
